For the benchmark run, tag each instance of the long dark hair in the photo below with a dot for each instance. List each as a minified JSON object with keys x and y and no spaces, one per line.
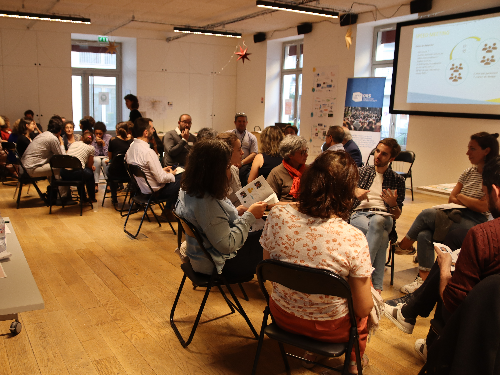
{"x":206,"y":169}
{"x":486,"y":140}
{"x":327,"y":186}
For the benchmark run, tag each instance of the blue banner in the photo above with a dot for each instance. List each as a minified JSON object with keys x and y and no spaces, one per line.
{"x":365,"y":92}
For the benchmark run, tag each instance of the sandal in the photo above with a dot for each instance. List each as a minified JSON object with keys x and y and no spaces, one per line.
{"x":398,"y":250}
{"x":353,"y":367}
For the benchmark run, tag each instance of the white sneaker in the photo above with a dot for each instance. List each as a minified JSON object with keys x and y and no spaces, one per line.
{"x":410,"y":288}
{"x":421,"y":349}
{"x":393,"y":313}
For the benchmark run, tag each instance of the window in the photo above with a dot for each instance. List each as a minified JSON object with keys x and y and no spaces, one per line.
{"x":394,"y":126}
{"x":96,"y":82}
{"x":291,"y":82}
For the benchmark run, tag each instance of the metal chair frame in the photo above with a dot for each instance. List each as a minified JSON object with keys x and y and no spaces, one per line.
{"x":311,"y":281}
{"x":120,"y":158}
{"x":202,"y":280}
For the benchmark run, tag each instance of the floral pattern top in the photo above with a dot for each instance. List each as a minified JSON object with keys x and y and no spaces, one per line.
{"x":331,"y":244}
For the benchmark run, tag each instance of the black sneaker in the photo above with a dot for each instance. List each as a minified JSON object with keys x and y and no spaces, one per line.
{"x":399,"y":301}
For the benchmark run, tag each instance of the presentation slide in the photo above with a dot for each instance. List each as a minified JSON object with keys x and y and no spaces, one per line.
{"x":456,"y":63}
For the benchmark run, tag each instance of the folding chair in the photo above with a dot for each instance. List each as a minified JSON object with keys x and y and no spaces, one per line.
{"x":118,"y":163}
{"x":311,"y":281}
{"x":23,"y":177}
{"x":405,"y":157}
{"x":203,"y":280}
{"x":393,"y":239}
{"x":144,"y":200}
{"x":70,"y":162}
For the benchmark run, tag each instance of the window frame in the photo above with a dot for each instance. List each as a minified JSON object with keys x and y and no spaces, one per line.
{"x":297,"y":71}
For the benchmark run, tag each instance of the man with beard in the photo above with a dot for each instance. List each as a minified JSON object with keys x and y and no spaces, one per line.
{"x":380,"y":195}
{"x":479,"y":258}
{"x":178,"y":142}
{"x":162,"y":180}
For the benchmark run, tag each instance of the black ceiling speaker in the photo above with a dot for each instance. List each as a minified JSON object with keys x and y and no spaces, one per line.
{"x":259,"y":37}
{"x":304,"y":28}
{"x":348,"y":19}
{"x":420,"y":6}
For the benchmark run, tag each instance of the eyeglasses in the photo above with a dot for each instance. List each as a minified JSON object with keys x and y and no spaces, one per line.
{"x":186,"y":122}
{"x":304,"y":152}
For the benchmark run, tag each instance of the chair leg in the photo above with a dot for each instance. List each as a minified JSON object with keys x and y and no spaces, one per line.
{"x":228,"y":301}
{"x":124,"y":201}
{"x":140,"y":224}
{"x":245,"y":296}
{"x":19,"y":194}
{"x":239,"y":308}
{"x":196,"y":322}
{"x":283,"y":355}
{"x":15,"y":191}
{"x":411,"y":184}
{"x":392,"y":249}
{"x":261,"y":340}
{"x":105,"y":191}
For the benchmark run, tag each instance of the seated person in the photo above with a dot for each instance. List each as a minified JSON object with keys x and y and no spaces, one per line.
{"x":263,"y":163}
{"x":334,"y":138}
{"x":321,"y":239}
{"x":87,"y":123}
{"x":478,"y":259}
{"x":101,"y":145}
{"x":118,"y":145}
{"x":233,"y":172}
{"x":380,"y":195}
{"x":206,"y":133}
{"x":291,"y":130}
{"x":202,"y":201}
{"x":5,"y":129}
{"x":178,"y":142}
{"x":285,"y":178}
{"x":352,"y":148}
{"x":467,"y":193}
{"x":26,"y":130}
{"x":161,"y":180}
{"x":84,"y":151}
{"x":69,"y":135}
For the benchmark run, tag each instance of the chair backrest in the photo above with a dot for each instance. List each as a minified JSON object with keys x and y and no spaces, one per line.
{"x":9,"y":146}
{"x":399,"y":162}
{"x":65,"y":161}
{"x":305,"y":280}
{"x":137,"y":172}
{"x":118,"y":164}
{"x":191,"y":231}
{"x":372,"y":153}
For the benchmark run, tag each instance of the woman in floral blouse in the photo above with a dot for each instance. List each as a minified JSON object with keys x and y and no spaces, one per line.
{"x":313,"y":232}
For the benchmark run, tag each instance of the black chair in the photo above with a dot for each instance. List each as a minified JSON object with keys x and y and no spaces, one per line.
{"x":70,"y":162}
{"x":144,"y":200}
{"x":311,"y":281}
{"x":372,"y":153}
{"x":405,"y":157}
{"x":118,"y":163}
{"x":5,"y":173}
{"x":23,"y":177}
{"x":203,"y":280}
{"x":393,"y":239}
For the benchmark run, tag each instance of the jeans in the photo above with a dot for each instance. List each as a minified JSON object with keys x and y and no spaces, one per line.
{"x":422,"y":230}
{"x":77,"y":175}
{"x":98,"y":162}
{"x":170,"y":191}
{"x":376,"y":229}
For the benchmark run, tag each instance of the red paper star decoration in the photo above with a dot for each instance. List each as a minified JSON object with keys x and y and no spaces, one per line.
{"x":111,"y":48}
{"x":243,"y":54}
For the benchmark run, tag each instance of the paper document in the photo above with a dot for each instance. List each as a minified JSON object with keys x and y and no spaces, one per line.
{"x":448,"y":206}
{"x":257,"y":191}
{"x":446,"y":249}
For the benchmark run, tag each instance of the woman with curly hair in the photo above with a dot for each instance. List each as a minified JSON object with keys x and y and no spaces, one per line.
{"x":263,"y":163}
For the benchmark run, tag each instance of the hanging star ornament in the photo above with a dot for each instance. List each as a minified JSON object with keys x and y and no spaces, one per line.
{"x":348,"y":37}
{"x":243,"y":54}
{"x":111,"y":48}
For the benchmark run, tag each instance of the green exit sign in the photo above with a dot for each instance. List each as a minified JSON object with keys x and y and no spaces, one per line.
{"x":102,"y":39}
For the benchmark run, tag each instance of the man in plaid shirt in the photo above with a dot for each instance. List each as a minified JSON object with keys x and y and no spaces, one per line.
{"x":380,"y":195}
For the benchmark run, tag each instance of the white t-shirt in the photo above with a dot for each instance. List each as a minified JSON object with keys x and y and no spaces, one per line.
{"x":374,"y":199}
{"x":82,"y":151}
{"x":331,"y":244}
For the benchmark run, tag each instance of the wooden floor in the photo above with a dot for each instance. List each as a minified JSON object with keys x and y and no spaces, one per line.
{"x":108,"y":299}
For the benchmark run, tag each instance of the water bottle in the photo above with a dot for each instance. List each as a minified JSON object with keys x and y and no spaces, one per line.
{"x":3,"y":246}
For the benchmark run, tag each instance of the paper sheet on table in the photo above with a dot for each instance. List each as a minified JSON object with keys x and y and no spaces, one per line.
{"x":257,"y":191}
{"x":448,"y":206}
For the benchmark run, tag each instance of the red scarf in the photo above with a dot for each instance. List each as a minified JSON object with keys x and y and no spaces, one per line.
{"x":295,"y":174}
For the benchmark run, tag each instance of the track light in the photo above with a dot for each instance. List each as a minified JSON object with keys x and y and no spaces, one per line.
{"x":191,"y":30}
{"x":297,"y":8}
{"x":44,"y":17}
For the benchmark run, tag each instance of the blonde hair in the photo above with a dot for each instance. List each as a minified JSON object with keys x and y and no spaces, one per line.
{"x":270,"y":140}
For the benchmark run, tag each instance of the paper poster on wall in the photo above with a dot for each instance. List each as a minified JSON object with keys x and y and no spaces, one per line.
{"x":324,"y":91}
{"x":288,"y":106}
{"x":363,"y":111}
{"x":154,"y":106}
{"x":318,"y":136}
{"x":104,"y":98}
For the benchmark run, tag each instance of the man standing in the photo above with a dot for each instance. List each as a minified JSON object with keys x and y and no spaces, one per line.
{"x":249,"y":146}
{"x":352,"y":148}
{"x":161,"y":180}
{"x":178,"y":142}
{"x":381,"y":192}
{"x":334,"y":138}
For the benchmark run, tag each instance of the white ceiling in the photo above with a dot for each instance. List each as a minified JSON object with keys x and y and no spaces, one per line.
{"x":162,"y":15}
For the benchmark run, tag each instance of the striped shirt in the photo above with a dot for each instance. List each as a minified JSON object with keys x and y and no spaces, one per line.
{"x":82,"y":151}
{"x":472,"y":182}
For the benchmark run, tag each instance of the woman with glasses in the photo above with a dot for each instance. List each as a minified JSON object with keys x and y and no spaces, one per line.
{"x":265,"y":162}
{"x":314,"y":233}
{"x":285,"y":178}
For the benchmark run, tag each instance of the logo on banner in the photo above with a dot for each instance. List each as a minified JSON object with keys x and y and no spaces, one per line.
{"x":360,"y":97}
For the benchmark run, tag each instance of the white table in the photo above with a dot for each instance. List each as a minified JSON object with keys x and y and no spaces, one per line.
{"x":18,"y":291}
